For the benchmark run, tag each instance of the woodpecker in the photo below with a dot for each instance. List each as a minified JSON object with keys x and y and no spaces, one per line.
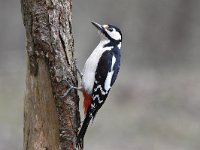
{"x":99,"y":74}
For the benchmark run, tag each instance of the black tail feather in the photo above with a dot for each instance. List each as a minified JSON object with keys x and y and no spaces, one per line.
{"x":80,"y":137}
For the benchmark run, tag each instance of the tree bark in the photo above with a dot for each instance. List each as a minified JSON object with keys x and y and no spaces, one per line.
{"x":50,"y":122}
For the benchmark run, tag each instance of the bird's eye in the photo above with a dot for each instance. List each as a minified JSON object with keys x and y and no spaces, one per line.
{"x":110,"y":29}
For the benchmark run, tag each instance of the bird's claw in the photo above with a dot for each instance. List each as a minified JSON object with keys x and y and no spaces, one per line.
{"x":69,"y":89}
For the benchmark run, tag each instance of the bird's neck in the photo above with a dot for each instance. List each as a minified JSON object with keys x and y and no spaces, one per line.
{"x":104,"y":42}
{"x":108,"y":43}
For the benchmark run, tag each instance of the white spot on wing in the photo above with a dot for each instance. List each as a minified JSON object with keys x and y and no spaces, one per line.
{"x":101,"y":89}
{"x":119,"y":45}
{"x":96,"y":96}
{"x":100,"y":101}
{"x":92,"y":106}
{"x":109,"y":75}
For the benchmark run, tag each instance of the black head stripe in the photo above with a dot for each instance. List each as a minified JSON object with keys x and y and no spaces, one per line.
{"x":112,"y":43}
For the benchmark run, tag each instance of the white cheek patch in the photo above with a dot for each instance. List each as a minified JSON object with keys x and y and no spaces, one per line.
{"x":114,"y":34}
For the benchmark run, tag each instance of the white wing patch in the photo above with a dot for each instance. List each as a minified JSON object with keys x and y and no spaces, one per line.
{"x":119,"y":45}
{"x":109,"y":75}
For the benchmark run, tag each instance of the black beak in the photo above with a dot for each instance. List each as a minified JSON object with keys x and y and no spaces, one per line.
{"x":98,"y":26}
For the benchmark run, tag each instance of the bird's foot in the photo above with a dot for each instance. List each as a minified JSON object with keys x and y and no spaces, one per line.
{"x":70,"y":88}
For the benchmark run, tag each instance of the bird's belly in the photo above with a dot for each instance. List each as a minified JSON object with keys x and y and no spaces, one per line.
{"x":89,"y":75}
{"x":88,"y":84}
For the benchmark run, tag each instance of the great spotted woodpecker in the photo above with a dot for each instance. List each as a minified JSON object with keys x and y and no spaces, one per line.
{"x":99,"y":74}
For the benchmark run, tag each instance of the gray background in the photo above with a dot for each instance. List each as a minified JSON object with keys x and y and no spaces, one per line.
{"x":155,"y":102}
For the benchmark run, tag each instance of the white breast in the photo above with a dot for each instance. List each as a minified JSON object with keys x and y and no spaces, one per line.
{"x":91,"y":65}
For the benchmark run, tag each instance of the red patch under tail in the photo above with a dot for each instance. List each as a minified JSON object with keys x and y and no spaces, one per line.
{"x":87,"y":101}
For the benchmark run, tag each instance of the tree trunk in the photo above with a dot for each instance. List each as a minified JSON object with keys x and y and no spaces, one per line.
{"x":50,"y":122}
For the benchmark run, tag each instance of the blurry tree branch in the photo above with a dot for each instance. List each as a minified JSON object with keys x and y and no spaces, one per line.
{"x":50,"y":122}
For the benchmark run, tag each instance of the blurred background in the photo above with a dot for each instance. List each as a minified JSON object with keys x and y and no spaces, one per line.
{"x":155,"y":102}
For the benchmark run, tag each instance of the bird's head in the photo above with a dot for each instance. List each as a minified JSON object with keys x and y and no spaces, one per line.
{"x":109,"y":32}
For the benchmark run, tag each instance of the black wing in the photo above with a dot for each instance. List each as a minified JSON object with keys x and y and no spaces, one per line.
{"x":105,"y":66}
{"x":100,"y":94}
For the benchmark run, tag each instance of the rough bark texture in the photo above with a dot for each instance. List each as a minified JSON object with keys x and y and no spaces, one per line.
{"x":50,"y":122}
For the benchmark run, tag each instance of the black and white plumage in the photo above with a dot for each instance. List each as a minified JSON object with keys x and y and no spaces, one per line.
{"x":99,"y":73}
